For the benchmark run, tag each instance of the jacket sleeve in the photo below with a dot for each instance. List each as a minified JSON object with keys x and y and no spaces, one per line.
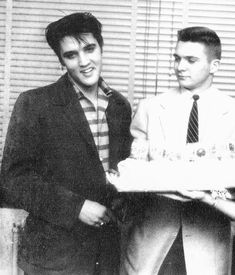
{"x":125,"y":133}
{"x":133,"y":204}
{"x":139,"y":131}
{"x":22,"y":184}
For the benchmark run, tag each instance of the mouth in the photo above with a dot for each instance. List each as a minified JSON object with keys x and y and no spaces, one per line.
{"x":87,"y":71}
{"x":182,"y":77}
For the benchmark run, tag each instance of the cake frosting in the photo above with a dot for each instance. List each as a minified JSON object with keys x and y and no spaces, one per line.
{"x":202,"y":169}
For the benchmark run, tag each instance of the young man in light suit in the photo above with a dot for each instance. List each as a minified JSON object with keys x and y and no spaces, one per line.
{"x":61,"y":140}
{"x":187,"y":232}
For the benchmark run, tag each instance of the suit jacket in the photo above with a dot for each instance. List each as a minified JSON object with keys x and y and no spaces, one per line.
{"x":161,"y":122}
{"x":51,"y":166}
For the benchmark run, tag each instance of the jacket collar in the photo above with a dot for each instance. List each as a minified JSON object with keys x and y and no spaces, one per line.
{"x":63,"y":91}
{"x":105,"y":87}
{"x":64,"y":94}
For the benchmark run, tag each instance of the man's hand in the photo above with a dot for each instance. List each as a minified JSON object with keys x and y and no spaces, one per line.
{"x":185,"y":195}
{"x":95,"y":214}
{"x":193,"y":195}
{"x":175,"y":196}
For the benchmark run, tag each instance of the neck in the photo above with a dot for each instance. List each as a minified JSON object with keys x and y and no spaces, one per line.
{"x":91,"y":93}
{"x":199,"y":89}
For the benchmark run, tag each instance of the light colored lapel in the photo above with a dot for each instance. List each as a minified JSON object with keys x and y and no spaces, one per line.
{"x":218,"y":123}
{"x":173,"y":118}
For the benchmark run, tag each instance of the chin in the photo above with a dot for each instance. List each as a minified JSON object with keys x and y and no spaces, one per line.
{"x":185,"y":85}
{"x":88,"y":83}
{"x":91,"y":82}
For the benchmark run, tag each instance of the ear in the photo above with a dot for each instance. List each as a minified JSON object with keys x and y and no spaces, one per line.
{"x":214,"y":66}
{"x":61,"y":61}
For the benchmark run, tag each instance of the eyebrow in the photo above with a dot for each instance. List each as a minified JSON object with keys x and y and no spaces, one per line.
{"x":187,"y":56}
{"x":89,"y":45}
{"x":75,"y":51}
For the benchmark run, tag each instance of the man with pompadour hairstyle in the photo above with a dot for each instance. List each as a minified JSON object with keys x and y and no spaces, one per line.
{"x":61,"y":141}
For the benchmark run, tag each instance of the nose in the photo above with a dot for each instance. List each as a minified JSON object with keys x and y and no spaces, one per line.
{"x":181,"y":65}
{"x":83,"y":59}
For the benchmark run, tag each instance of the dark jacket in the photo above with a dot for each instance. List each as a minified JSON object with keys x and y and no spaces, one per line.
{"x":51,"y":166}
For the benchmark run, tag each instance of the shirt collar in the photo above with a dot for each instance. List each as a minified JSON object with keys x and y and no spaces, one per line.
{"x":211,"y":87}
{"x":107,"y":91}
{"x":105,"y":87}
{"x":205,"y":93}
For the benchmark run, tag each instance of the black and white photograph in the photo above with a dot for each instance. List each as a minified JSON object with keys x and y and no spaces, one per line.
{"x":117,"y":137}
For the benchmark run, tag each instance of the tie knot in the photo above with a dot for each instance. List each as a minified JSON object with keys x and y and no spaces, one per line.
{"x":195,"y":97}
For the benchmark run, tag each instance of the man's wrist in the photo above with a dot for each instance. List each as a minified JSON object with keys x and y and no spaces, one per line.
{"x":210,"y":200}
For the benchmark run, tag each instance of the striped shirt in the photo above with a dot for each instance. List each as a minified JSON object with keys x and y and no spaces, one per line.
{"x":97,"y":121}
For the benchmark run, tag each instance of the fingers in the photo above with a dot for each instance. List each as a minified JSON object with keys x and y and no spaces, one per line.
{"x":113,"y":172}
{"x":99,"y":224}
{"x":108,"y":218}
{"x":195,"y":195}
{"x":184,"y":193}
{"x":112,"y":176}
{"x":178,"y":197}
{"x":96,"y":214}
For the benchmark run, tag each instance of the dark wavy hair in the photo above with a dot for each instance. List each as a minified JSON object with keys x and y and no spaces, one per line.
{"x":74,"y":25}
{"x":205,"y":36}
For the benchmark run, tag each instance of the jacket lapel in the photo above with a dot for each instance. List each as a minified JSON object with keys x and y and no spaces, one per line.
{"x":114,"y":120}
{"x":110,"y":113}
{"x":65,"y":96}
{"x":74,"y":114}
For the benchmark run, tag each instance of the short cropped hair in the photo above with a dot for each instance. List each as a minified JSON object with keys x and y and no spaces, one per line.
{"x":202,"y":35}
{"x":74,"y":25}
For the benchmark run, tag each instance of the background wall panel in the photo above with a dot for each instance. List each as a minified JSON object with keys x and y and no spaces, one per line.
{"x":139,"y":38}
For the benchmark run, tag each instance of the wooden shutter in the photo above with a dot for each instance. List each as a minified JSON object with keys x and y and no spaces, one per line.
{"x":157,"y":25}
{"x":219,"y":16}
{"x":157,"y":22}
{"x":31,"y":63}
{"x":139,"y":36}
{"x":4,"y":66}
{"x":34,"y":64}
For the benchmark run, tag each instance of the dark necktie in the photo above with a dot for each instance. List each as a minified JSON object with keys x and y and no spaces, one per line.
{"x":192,"y":134}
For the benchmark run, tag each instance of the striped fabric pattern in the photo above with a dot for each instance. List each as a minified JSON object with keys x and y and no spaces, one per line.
{"x":193,"y":134}
{"x":98,"y":125}
{"x":97,"y":120}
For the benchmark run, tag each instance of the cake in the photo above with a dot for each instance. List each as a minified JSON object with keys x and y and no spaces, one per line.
{"x":200,"y":168}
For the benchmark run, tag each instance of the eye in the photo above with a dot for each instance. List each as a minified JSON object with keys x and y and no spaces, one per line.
{"x":192,"y":60}
{"x":90,"y":48}
{"x":70,"y":55}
